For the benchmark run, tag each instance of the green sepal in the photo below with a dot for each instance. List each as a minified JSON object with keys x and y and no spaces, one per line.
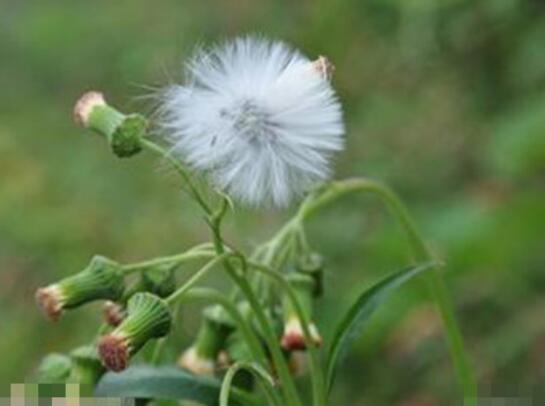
{"x":54,"y":368}
{"x":148,"y":317}
{"x":126,"y":139}
{"x":159,"y":280}
{"x":101,"y":280}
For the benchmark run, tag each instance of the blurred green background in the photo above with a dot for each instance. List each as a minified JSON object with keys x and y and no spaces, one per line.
{"x":444,"y":100}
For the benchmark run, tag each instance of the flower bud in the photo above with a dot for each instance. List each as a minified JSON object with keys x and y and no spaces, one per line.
{"x":123,"y":132}
{"x":54,"y":368}
{"x":324,"y":67}
{"x":148,"y":317}
{"x":102,"y":279}
{"x":159,"y":280}
{"x":113,"y":313}
{"x":201,"y":357}
{"x":293,"y":336}
{"x":87,"y":368}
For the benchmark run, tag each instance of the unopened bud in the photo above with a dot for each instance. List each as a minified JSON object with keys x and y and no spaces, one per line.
{"x":54,"y":368}
{"x":197,"y":364}
{"x":113,"y":313}
{"x":201,"y":357}
{"x":324,"y":67}
{"x":312,"y":264}
{"x":86,"y":104}
{"x":293,"y":336}
{"x":123,"y":132}
{"x":159,"y":280}
{"x":148,"y":317}
{"x":102,"y":279}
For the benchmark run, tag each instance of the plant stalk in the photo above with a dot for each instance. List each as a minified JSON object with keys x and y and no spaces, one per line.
{"x":420,"y":252}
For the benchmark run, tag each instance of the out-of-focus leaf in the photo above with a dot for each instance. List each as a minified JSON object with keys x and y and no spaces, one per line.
{"x":360,"y":312}
{"x":148,"y":382}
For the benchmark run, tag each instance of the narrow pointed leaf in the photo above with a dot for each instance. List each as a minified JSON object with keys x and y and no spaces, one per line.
{"x":148,"y":382}
{"x":358,"y":315}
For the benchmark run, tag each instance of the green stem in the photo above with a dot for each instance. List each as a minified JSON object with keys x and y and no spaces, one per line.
{"x":288,"y":385}
{"x":211,"y":295}
{"x":420,"y":252}
{"x":196,"y":277}
{"x":318,"y":386}
{"x":151,"y":146}
{"x":178,"y":259}
{"x":264,"y":379}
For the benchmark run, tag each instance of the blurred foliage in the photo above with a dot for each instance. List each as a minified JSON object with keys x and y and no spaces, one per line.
{"x":444,"y":100}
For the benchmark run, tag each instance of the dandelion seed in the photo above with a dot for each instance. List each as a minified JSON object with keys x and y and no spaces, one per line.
{"x":258,"y":117}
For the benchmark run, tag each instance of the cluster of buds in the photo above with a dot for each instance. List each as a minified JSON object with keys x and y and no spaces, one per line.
{"x":158,"y":280}
{"x":148,"y":317}
{"x":201,"y":357}
{"x":123,"y":132}
{"x":101,"y":280}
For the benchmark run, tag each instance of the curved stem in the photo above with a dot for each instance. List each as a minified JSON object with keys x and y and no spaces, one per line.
{"x":151,"y":146}
{"x":318,"y":386}
{"x":264,"y":379}
{"x":288,"y":385}
{"x":177,"y":259}
{"x":195,"y":278}
{"x":421,"y":253}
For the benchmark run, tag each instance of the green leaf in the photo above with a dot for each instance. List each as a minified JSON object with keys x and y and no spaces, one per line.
{"x":148,"y":382}
{"x":359,"y":314}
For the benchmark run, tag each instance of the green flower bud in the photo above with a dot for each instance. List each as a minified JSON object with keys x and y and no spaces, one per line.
{"x":102,"y":279}
{"x":293,"y":336}
{"x":159,"y":280}
{"x":54,"y":368}
{"x":87,"y":368}
{"x":201,"y":357}
{"x":123,"y":132}
{"x":148,"y":317}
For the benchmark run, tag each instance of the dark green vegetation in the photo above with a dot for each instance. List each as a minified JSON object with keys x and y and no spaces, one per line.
{"x":445,"y":103}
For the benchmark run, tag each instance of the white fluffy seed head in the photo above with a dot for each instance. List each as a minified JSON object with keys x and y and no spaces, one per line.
{"x":258,"y":117}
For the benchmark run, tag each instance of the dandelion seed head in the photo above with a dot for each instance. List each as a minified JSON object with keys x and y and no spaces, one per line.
{"x":258,"y":117}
